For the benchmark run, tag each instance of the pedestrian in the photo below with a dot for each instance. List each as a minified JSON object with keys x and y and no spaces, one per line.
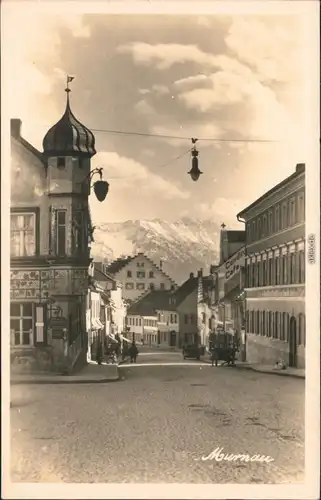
{"x":133,"y":351}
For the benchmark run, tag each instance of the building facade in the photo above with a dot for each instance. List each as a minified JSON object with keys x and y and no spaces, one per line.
{"x":139,"y":274}
{"x":275,"y":273}
{"x":50,"y":231}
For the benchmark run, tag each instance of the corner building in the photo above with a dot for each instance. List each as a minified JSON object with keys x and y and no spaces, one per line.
{"x":50,"y":234}
{"x":275,"y":273}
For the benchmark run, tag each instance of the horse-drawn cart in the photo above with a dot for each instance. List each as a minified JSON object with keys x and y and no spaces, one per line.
{"x":223,"y":347}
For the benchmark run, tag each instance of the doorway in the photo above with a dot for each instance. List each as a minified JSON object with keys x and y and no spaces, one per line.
{"x":292,"y":341}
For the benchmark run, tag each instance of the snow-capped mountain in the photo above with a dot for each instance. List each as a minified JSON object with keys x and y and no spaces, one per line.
{"x":183,"y":246}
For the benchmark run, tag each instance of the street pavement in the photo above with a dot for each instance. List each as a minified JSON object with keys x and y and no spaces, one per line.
{"x":157,"y":423}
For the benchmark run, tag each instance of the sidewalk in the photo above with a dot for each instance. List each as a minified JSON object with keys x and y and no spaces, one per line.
{"x":92,"y":373}
{"x":243,"y":365}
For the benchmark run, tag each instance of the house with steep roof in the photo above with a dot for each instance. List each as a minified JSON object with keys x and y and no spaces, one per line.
{"x":153,"y":319}
{"x":139,"y":274}
{"x":230,"y":242}
{"x":193,"y":300}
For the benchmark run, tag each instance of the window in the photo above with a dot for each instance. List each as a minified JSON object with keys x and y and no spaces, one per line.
{"x":284,"y":278}
{"x":284,"y":218}
{"x":23,"y":234}
{"x":301,"y":207}
{"x":129,"y":274}
{"x":61,"y":233}
{"x":276,"y":219}
{"x":257,"y":326}
{"x":271,"y":271}
{"x":140,"y":274}
{"x":270,"y":324}
{"x":162,"y":286}
{"x":253,"y":231}
{"x":140,"y":286}
{"x":152,"y":286}
{"x":136,"y":320}
{"x":129,"y":286}
{"x":264,"y":226}
{"x":78,"y":227}
{"x":301,"y":267}
{"x":292,"y":212}
{"x":22,"y":324}
{"x":259,"y":229}
{"x":264,"y":272}
{"x":277,"y":270}
{"x":263,"y":328}
{"x":140,"y":264}
{"x":291,"y":268}
{"x":301,"y":336}
{"x":270,"y":222}
{"x":61,"y":162}
{"x":151,"y":274}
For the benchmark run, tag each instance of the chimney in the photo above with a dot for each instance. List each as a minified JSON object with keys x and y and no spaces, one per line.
{"x":300,"y":168}
{"x":15,"y":124}
{"x":191,"y":275}
{"x":200,"y":273}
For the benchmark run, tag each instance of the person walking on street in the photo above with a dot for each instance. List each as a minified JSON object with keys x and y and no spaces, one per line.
{"x":133,"y":351}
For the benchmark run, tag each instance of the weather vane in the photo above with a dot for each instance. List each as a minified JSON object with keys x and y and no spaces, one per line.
{"x":69,"y":80}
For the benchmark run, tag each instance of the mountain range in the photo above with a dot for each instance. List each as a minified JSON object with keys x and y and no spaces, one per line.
{"x":183,"y":246}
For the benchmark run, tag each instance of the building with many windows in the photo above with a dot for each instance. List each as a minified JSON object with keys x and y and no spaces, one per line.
{"x":139,"y":274}
{"x":275,"y":273}
{"x":153,"y":319}
{"x":50,"y":232}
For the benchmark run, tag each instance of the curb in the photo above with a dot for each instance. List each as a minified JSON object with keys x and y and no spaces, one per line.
{"x":275,"y":372}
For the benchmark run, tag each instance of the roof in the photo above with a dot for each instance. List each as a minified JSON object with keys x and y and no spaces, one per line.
{"x":300,"y":169}
{"x":118,"y":264}
{"x":236,"y":236}
{"x":121,"y":262}
{"x":69,"y":136}
{"x":190,"y":285}
{"x":29,"y":147}
{"x":100,"y":276}
{"x":150,"y":303}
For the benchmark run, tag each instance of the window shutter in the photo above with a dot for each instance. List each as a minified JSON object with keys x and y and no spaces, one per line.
{"x":40,"y":324}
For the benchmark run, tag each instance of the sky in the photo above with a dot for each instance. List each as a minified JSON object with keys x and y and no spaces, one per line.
{"x":219,"y":76}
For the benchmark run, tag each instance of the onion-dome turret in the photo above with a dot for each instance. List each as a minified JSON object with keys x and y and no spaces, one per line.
{"x":68,"y":136}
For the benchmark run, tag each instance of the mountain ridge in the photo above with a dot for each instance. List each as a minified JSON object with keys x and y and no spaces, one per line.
{"x":183,"y":246}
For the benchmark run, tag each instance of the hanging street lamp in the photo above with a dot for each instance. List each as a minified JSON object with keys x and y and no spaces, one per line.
{"x":101,"y":187}
{"x":195,"y":171}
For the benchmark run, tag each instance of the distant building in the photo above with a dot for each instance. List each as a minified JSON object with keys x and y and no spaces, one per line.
{"x":153,"y":319}
{"x":139,"y":274}
{"x":50,"y":231}
{"x":193,"y":299}
{"x":275,"y":273}
{"x":230,"y":242}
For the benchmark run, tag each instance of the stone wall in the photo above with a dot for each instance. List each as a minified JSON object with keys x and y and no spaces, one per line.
{"x":268,"y":351}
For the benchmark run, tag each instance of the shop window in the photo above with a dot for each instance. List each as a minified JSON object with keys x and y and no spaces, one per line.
{"x":23,"y":234}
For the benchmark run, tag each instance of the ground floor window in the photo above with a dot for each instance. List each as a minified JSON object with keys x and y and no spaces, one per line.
{"x":21,"y":324}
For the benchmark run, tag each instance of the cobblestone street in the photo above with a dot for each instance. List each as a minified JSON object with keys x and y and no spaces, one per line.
{"x":155,"y":425}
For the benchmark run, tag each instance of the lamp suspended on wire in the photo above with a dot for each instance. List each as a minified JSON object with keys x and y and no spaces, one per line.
{"x":195,"y":171}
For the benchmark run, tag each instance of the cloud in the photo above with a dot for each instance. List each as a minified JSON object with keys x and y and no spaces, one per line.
{"x":127,"y":174}
{"x":160,"y":89}
{"x":223,"y":209}
{"x":191,"y":80}
{"x":165,"y":55}
{"x":143,"y":107}
{"x":144,"y":91}
{"x":30,"y":38}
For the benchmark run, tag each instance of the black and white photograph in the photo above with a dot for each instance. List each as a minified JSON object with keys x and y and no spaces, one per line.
{"x":161,"y":296}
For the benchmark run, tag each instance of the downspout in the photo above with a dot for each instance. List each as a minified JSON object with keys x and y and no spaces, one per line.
{"x":243,"y":354}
